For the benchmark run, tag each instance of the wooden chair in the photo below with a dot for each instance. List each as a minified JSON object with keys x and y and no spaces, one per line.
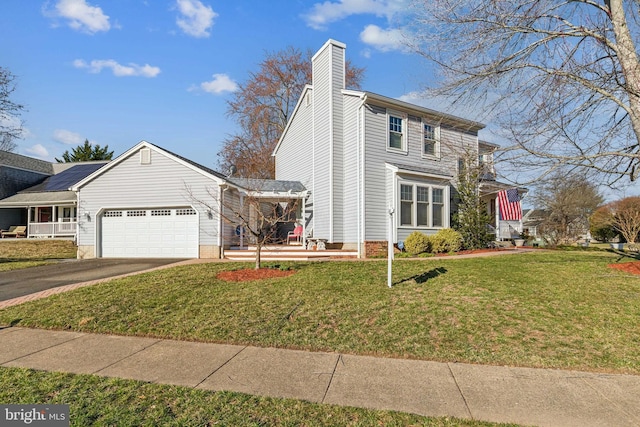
{"x":15,"y":231}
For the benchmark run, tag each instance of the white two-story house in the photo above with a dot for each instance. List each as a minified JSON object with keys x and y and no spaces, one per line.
{"x":361,"y":154}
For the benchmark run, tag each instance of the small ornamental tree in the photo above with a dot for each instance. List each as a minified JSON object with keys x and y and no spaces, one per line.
{"x":255,"y":216}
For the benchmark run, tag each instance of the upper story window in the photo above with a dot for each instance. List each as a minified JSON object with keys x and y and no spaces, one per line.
{"x":431,"y":140}
{"x":397,"y":136}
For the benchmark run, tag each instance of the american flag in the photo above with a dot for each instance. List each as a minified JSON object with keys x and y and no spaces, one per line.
{"x":509,"y":205}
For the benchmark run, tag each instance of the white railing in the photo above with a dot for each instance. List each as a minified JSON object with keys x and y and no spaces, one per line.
{"x":52,"y":229}
{"x":509,"y":229}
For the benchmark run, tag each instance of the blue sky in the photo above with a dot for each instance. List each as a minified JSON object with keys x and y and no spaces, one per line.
{"x":120,"y":71}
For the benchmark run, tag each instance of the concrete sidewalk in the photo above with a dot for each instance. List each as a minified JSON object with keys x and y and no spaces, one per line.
{"x":525,"y":396}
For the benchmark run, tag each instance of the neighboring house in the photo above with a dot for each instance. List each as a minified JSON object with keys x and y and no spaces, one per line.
{"x":48,"y":208}
{"x":362,"y":155}
{"x":17,"y":173}
{"x":150,"y":202}
{"x":531,"y":220}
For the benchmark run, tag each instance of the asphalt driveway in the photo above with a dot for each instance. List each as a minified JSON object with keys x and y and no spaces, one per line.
{"x":23,"y":282}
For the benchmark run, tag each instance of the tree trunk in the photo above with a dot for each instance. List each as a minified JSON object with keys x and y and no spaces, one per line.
{"x":628,"y":58}
{"x":258,"y":249}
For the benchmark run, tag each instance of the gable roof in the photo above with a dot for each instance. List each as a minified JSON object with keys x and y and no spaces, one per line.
{"x":210,"y":173}
{"x":18,"y":161}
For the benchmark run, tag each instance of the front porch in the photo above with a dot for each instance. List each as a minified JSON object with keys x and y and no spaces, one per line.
{"x":52,"y":229}
{"x":287,"y":253}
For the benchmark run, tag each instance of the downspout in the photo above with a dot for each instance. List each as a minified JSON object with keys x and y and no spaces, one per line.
{"x":360,"y":180}
{"x":223,"y":188}
{"x":331,"y":142}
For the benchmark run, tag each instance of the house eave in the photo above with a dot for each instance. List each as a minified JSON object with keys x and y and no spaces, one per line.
{"x":443,"y":118}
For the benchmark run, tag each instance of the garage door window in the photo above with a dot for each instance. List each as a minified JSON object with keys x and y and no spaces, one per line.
{"x":185,"y":211}
{"x":161,"y":212}
{"x":136,"y":213}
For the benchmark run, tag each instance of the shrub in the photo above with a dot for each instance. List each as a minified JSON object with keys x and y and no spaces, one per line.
{"x":417,"y":243}
{"x":446,"y":240}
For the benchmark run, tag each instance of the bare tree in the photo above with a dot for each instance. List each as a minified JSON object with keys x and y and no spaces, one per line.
{"x":624,"y":217}
{"x":568,"y":202}
{"x":251,"y":214}
{"x":262,"y":107}
{"x":561,"y":77}
{"x":6,"y":143}
{"x":10,"y":124}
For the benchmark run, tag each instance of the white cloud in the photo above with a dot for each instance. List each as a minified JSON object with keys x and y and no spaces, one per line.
{"x":38,"y":150}
{"x":221,"y":83}
{"x":118,"y":70}
{"x":67,"y":137}
{"x":383,"y":40}
{"x":195,"y":18}
{"x":81,"y":16}
{"x":323,"y":14}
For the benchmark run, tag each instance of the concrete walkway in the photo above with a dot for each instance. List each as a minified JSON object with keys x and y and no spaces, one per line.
{"x":542,"y":397}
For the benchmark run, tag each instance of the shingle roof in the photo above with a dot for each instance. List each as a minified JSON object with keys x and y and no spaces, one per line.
{"x":268,"y":185}
{"x":19,"y":161}
{"x":421,"y":170}
{"x":39,"y":198}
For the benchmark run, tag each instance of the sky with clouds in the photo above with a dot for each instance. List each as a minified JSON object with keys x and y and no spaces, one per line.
{"x":118,"y":72}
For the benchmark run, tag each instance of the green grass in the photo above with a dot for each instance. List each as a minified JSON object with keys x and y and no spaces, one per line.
{"x":17,"y":254}
{"x":542,"y":309}
{"x":102,"y":401}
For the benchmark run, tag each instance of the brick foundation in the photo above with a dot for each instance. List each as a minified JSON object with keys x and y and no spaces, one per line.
{"x":377,"y":249}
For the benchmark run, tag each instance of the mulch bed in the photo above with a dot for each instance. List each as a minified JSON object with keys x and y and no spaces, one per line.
{"x":628,"y":267}
{"x":249,"y":274}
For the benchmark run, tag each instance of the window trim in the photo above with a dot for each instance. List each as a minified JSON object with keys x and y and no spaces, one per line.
{"x":414,"y":205}
{"x":405,"y":127}
{"x":436,"y":135}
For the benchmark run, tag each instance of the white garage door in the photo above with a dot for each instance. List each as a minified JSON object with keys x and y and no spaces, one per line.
{"x":150,"y":233}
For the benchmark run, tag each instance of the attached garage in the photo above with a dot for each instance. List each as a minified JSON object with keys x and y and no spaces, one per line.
{"x":166,"y":232}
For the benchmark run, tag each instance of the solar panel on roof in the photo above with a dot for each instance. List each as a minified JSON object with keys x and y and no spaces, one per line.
{"x":66,"y":179}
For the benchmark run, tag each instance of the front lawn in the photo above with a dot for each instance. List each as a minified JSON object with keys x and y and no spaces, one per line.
{"x":541,"y":309}
{"x":16,"y":254}
{"x":102,"y":401}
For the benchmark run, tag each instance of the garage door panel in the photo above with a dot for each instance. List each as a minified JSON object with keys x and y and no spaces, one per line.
{"x":166,"y":233}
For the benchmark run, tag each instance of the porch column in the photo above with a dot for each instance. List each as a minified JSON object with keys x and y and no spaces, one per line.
{"x":304,"y":222}
{"x":498,"y":235}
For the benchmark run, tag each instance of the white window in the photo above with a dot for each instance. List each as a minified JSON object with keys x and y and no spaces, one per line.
{"x":406,"y":204}
{"x":430,"y":140}
{"x":397,"y":135}
{"x":422,"y":206}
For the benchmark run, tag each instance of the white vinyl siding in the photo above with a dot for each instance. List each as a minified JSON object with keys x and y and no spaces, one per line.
{"x":157,"y":185}
{"x":350,"y":169}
